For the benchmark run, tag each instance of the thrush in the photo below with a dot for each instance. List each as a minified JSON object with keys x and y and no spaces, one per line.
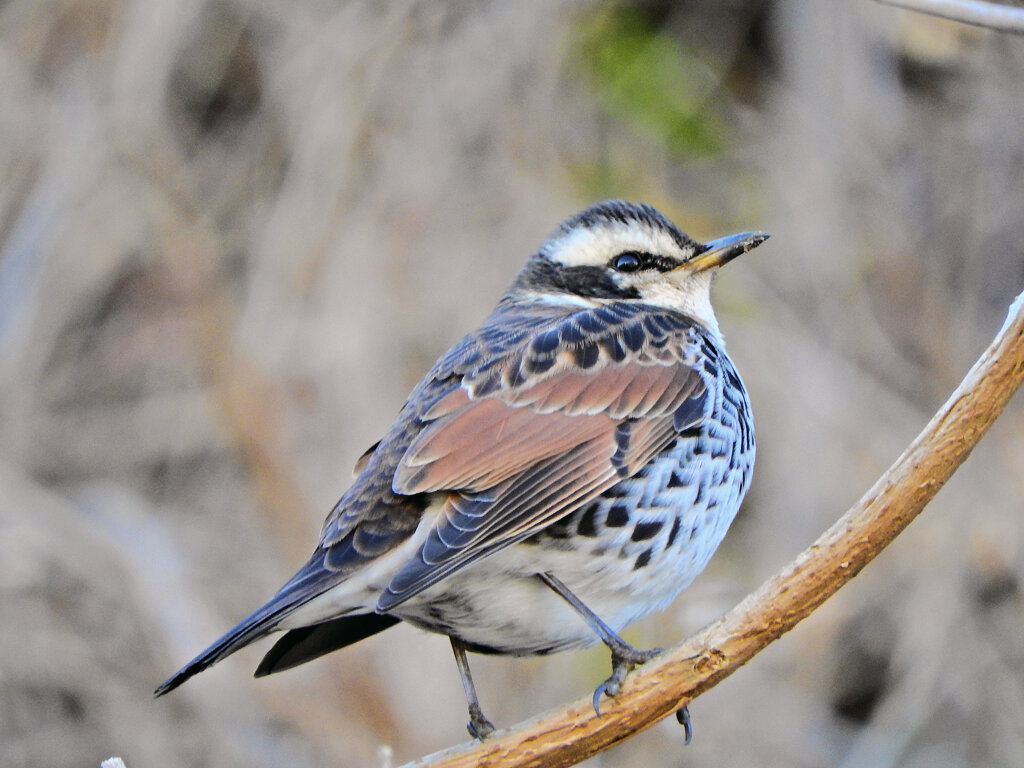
{"x":564,"y":470}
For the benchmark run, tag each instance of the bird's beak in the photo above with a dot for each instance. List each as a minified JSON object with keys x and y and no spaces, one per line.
{"x":723,"y":250}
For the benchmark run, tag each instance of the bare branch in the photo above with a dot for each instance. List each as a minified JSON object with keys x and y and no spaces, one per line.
{"x":660,"y":687}
{"x":1004,"y":18}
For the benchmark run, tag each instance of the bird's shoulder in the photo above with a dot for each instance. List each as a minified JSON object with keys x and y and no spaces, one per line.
{"x":524,"y":342}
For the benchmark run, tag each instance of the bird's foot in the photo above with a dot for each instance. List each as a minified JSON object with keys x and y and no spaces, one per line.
{"x":683,"y":716}
{"x":624,"y":659}
{"x":479,"y":726}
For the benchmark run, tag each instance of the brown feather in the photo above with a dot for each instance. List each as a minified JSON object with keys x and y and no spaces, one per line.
{"x":488,"y":443}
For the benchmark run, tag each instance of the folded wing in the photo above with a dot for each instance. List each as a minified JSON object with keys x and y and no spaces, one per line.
{"x":534,"y":434}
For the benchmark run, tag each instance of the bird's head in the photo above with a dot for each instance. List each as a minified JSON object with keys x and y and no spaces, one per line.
{"x":619,"y":251}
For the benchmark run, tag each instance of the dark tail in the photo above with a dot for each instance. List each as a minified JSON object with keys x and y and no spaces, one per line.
{"x":311,"y":580}
{"x":307,"y":643}
{"x":252,"y":628}
{"x":298,"y":645}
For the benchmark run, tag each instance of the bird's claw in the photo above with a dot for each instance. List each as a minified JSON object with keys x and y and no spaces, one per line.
{"x":598,"y":692}
{"x":624,"y":659}
{"x":479,"y":726}
{"x":611,"y":686}
{"x":683,"y":716}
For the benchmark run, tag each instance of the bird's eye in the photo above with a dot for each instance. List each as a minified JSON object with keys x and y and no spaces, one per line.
{"x":626,"y":262}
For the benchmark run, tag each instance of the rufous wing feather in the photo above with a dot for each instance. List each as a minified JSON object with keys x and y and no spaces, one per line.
{"x":519,"y":455}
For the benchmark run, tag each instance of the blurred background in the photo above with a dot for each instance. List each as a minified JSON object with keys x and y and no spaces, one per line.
{"x":234,"y":234}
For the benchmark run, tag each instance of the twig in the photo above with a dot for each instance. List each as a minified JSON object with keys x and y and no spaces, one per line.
{"x":662,"y":686}
{"x":996,"y":16}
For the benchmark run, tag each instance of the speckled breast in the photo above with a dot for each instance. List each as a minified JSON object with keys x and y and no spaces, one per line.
{"x":657,"y":529}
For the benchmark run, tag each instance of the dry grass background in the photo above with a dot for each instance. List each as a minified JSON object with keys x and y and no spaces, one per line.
{"x":234,"y":234}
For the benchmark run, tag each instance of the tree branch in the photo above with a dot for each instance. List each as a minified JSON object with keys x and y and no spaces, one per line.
{"x":1003,"y":18}
{"x":661,"y":686}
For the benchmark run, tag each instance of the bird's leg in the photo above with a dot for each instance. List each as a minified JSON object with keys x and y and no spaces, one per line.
{"x":479,"y":726}
{"x":624,"y":656}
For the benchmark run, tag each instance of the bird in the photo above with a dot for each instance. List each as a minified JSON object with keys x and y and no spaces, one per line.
{"x":564,"y":470}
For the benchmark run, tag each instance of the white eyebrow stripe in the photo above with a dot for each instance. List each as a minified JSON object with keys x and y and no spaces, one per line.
{"x":594,"y":246}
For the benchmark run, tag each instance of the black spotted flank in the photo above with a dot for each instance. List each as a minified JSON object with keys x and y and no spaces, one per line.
{"x":644,"y":531}
{"x":587,"y":526}
{"x":643,"y":559}
{"x":618,"y":491}
{"x":674,"y":532}
{"x":618,"y":516}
